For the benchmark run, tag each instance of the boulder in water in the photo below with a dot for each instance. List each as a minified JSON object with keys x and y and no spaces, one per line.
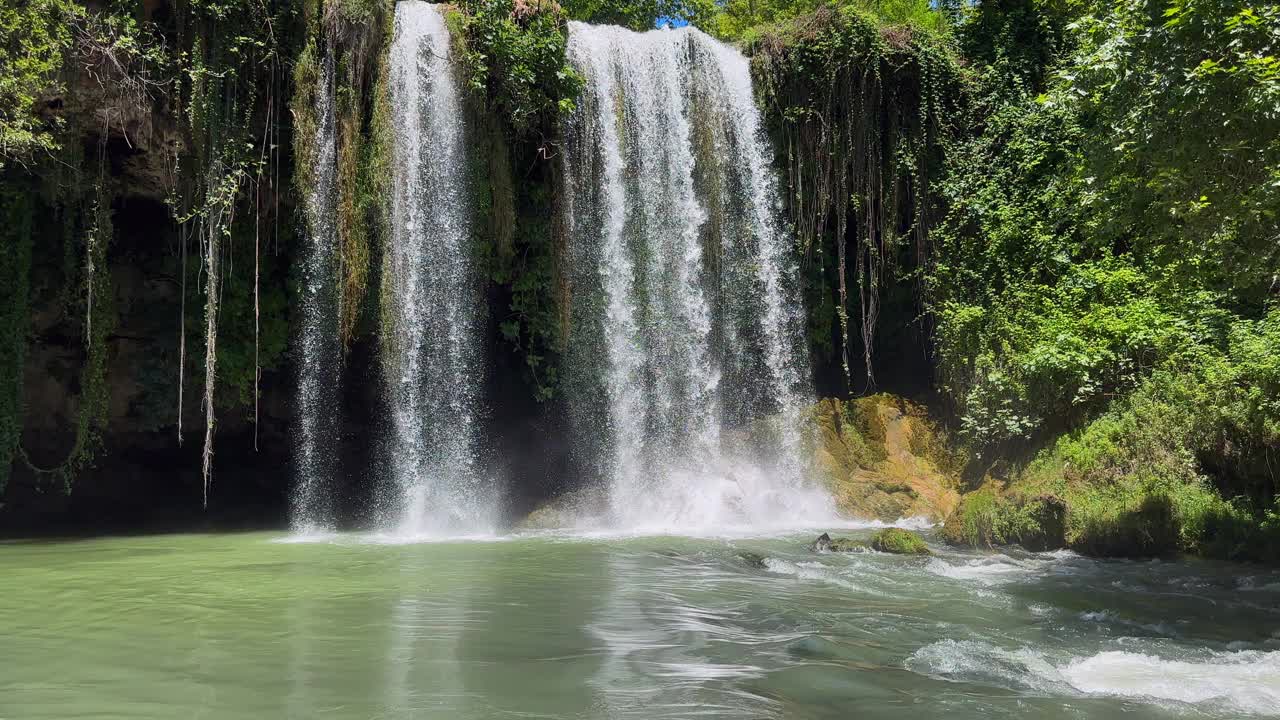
{"x":899,"y":542}
{"x":753,"y":560}
{"x":826,"y":543}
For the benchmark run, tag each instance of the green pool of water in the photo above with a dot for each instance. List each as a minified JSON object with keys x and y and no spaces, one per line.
{"x":248,"y":626}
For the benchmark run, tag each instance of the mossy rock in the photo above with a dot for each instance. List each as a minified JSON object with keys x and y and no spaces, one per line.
{"x":884,"y":459}
{"x":975,"y":522}
{"x":899,"y":542}
{"x":571,"y":510}
{"x":1146,"y":530}
{"x":1045,"y":524}
{"x":826,"y":543}
{"x":989,"y":516}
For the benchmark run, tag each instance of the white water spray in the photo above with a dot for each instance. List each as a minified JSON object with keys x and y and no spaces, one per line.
{"x":687,"y":364}
{"x":318,"y":397}
{"x":432,"y":298}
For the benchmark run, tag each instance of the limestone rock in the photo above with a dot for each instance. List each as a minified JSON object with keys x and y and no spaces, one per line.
{"x":884,"y":459}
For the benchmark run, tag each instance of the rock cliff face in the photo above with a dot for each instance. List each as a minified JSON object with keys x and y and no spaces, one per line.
{"x":141,"y":469}
{"x":884,"y":459}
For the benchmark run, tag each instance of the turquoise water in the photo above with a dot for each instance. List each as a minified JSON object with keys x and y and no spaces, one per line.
{"x":248,"y":626}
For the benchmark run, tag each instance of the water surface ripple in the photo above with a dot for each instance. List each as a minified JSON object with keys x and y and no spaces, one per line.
{"x":555,"y":626}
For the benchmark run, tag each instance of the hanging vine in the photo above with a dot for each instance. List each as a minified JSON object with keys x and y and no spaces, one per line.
{"x":96,"y":297}
{"x":231,"y":91}
{"x":859,"y":108}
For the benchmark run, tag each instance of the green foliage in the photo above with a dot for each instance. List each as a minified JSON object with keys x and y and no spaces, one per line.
{"x":365,"y":28}
{"x":1133,"y":480}
{"x":237,"y":359}
{"x":1120,"y":220}
{"x":1239,"y":426}
{"x":1181,"y":101}
{"x":236,"y":340}
{"x":749,"y":20}
{"x":844,"y":545}
{"x":862,"y":108}
{"x":355,"y":37}
{"x":100,"y":321}
{"x":43,"y":43}
{"x":35,"y":37}
{"x":899,"y":542}
{"x":1103,"y":269}
{"x":532,"y":326}
{"x":515,"y":56}
{"x":640,"y":14}
{"x":307,"y":76}
{"x":976,"y":522}
{"x":16,"y":200}
{"x":987,"y":517}
{"x":1017,"y":42}
{"x":91,"y":297}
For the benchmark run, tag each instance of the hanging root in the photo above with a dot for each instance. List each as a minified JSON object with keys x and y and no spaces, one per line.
{"x":860,"y":113}
{"x":211,"y":232}
{"x":182,"y":325}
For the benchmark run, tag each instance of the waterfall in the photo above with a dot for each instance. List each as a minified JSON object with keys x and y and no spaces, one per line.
{"x":687,"y":372}
{"x":318,"y":397}
{"x":432,"y":295}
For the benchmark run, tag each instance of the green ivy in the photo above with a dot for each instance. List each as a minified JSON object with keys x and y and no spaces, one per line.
{"x":35,"y":37}
{"x":16,"y":200}
{"x":861,"y":107}
{"x":515,"y":57}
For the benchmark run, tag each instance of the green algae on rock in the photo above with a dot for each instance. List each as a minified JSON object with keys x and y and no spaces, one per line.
{"x":899,"y":542}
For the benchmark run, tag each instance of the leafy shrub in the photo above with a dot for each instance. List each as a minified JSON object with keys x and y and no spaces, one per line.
{"x":515,"y":56}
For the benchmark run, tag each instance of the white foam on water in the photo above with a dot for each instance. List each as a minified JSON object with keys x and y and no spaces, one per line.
{"x":1106,"y":617}
{"x":420,"y":538}
{"x":811,"y":571}
{"x":1244,"y":682}
{"x":1061,"y":554}
{"x":1251,"y":584}
{"x":976,"y":661}
{"x":999,"y":569}
{"x":707,"y":671}
{"x":918,"y":522}
{"x":720,"y":518}
{"x":1040,"y":609}
{"x":988,"y":571}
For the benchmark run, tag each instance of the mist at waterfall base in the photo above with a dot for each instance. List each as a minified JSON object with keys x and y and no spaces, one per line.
{"x":685,"y":378}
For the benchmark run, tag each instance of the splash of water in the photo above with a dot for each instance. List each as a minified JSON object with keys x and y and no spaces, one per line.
{"x":686,"y":348}
{"x":311,"y":508}
{"x":432,"y":294}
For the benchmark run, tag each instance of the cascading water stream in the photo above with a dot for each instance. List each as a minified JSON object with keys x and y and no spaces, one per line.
{"x":686,"y":367}
{"x":312,"y":510}
{"x":432,"y":299}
